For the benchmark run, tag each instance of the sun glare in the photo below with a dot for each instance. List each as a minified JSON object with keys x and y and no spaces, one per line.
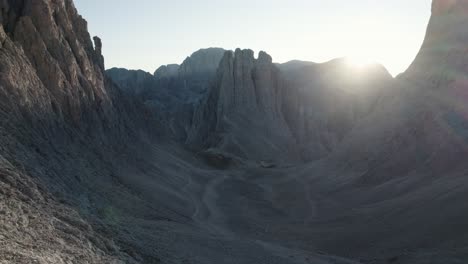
{"x":359,"y":62}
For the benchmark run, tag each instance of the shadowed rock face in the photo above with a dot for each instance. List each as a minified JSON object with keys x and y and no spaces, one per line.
{"x":56,"y":106}
{"x":66,"y":71}
{"x":242,"y":113}
{"x":201,"y":63}
{"x":190,"y":80}
{"x":135,"y":83}
{"x":303,"y":110}
{"x":323,"y":102}
{"x":396,"y":170}
{"x":167,"y":71}
{"x":248,"y":85}
{"x":171,"y":94}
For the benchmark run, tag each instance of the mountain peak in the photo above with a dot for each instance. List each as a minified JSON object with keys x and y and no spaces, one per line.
{"x":167,"y":71}
{"x":264,"y":57}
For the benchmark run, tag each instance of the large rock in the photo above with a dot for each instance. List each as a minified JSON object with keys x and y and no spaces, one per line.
{"x":242,"y":112}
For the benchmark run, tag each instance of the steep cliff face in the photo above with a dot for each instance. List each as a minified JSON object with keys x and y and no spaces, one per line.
{"x":248,"y":85}
{"x":59,"y":52}
{"x":242,"y":113}
{"x":56,"y":109}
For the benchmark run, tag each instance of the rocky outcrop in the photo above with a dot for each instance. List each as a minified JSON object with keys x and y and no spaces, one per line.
{"x":242,"y":113}
{"x":51,"y":42}
{"x":247,"y":85}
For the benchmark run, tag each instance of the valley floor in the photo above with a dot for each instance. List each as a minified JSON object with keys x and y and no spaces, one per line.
{"x":296,"y":214}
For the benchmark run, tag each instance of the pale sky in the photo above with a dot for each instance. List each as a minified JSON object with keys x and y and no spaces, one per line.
{"x":144,"y":34}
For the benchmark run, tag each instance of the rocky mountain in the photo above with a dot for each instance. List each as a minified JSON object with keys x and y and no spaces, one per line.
{"x":323,"y":102}
{"x":257,"y":109}
{"x":171,"y":94}
{"x":228,"y":158}
{"x":193,"y":76}
{"x":187,"y":81}
{"x":400,"y":172}
{"x":242,"y":113}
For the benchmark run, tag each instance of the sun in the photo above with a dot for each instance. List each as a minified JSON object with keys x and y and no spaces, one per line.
{"x":359,"y":61}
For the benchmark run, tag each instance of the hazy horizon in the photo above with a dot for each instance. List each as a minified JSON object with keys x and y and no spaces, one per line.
{"x":151,"y":33}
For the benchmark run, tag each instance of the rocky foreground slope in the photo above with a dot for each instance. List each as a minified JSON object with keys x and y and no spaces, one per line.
{"x":321,"y":161}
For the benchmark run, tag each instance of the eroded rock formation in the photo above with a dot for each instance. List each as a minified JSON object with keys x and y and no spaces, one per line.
{"x":242,"y":113}
{"x":303,"y":108}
